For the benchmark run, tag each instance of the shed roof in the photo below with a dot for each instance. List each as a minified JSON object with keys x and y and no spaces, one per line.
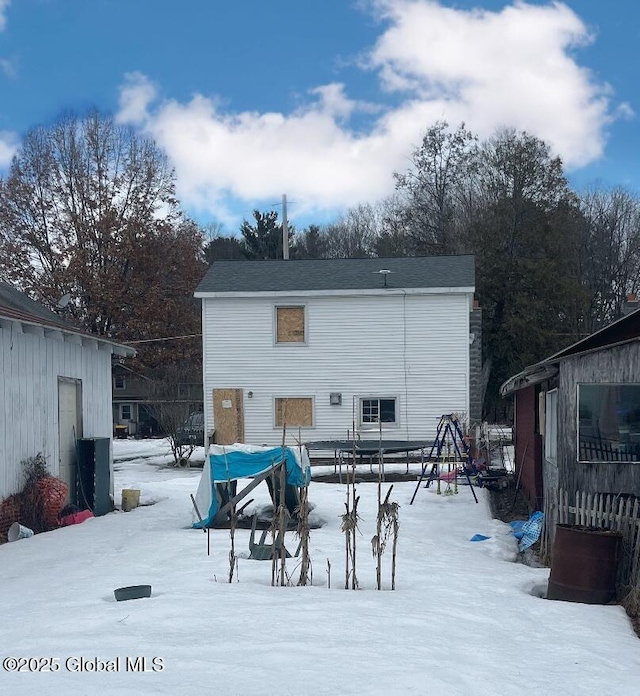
{"x":16,"y":306}
{"x":422,"y":272}
{"x":623,"y":330}
{"x":20,"y":305}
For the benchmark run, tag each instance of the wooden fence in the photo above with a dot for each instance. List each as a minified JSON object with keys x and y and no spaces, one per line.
{"x":603,"y":511}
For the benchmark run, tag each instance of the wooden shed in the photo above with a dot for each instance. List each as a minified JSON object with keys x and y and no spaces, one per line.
{"x":55,"y":388}
{"x":577,"y":426}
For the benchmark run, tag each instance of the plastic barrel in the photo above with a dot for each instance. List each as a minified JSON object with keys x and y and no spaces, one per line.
{"x":584,"y":564}
{"x":130,"y":499}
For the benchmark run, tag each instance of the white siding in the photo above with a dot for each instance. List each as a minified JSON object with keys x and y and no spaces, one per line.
{"x":412,"y":347}
{"x":30,"y":365}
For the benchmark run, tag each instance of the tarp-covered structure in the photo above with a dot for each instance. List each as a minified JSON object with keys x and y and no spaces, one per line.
{"x":228,"y":463}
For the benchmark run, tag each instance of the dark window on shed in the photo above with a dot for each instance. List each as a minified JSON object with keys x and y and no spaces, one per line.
{"x":609,"y":422}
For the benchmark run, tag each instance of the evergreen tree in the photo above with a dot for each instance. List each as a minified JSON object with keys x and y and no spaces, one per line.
{"x":263,"y":240}
{"x":525,"y":240}
{"x":221,"y":248}
{"x":311,"y":243}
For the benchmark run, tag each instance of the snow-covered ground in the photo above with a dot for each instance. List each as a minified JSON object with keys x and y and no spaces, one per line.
{"x":464,"y":619}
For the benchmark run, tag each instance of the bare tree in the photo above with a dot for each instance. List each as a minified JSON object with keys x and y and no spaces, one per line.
{"x":88,"y":209}
{"x":172,"y":401}
{"x":435,"y":187}
{"x":354,"y":234}
{"x":610,"y":252}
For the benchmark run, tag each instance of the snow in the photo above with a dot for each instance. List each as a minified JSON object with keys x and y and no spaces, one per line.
{"x":464,"y":619}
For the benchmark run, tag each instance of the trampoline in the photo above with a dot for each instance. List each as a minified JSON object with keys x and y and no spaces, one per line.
{"x":369,"y":447}
{"x":343,"y":450}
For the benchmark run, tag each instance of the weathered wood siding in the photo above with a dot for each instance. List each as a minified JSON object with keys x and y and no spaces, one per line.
{"x":411,"y":347}
{"x":619,"y":364}
{"x":30,"y":364}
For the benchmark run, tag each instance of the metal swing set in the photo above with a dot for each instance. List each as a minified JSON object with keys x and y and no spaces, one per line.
{"x":449,"y":450}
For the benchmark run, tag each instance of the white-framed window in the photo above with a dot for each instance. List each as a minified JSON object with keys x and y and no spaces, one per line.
{"x":119,"y":382}
{"x":125,"y":412}
{"x":551,"y":426}
{"x":290,"y":324}
{"x":378,"y":409}
{"x":294,"y":411}
{"x":608,"y":425}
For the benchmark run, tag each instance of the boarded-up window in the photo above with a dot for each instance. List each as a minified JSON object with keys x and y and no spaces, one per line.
{"x":295,"y":412}
{"x":290,"y":325}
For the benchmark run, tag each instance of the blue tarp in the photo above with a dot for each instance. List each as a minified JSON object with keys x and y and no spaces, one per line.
{"x":233,"y":462}
{"x":528,"y":531}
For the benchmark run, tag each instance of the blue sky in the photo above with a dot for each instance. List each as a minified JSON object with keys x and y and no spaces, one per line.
{"x":324,"y":100}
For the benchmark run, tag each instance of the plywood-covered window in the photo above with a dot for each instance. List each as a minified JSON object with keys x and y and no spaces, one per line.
{"x":294,"y":411}
{"x":290,"y":325}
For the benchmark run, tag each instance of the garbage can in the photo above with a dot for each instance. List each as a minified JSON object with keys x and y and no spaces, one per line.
{"x":584,"y":564}
{"x":122,"y":431}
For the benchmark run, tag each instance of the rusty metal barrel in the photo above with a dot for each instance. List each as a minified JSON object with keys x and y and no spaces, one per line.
{"x":584,"y":564}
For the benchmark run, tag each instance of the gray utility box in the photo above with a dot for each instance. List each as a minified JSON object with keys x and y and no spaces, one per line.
{"x":94,"y":475}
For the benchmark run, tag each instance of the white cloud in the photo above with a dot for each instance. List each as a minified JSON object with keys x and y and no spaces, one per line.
{"x":515,"y":67}
{"x":8,"y":68}
{"x":136,"y":95}
{"x":8,"y":148}
{"x":4,"y":4}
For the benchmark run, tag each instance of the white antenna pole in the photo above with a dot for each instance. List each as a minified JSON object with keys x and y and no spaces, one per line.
{"x":285,"y":228}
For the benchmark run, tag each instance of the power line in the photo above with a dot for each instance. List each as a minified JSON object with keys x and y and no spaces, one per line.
{"x":167,"y":338}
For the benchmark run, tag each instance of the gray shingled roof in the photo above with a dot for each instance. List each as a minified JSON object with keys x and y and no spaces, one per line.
{"x":22,"y":305}
{"x":338,"y":274}
{"x":17,"y":306}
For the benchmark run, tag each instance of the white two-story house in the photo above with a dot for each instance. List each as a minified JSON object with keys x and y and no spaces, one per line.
{"x":335,"y":345}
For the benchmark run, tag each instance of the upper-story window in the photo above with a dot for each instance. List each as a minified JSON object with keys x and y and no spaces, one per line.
{"x":290,"y":325}
{"x":119,"y":382}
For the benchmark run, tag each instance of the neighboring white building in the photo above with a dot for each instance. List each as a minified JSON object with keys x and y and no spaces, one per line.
{"x":55,"y":387}
{"x":336,"y":340}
